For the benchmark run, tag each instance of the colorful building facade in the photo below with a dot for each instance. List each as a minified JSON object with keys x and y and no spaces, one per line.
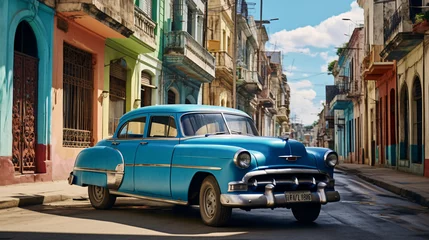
{"x":25,"y":91}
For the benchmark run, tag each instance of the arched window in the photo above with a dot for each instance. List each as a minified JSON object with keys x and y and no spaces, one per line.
{"x":223,"y":98}
{"x":404,"y":123}
{"x":25,"y":40}
{"x":417,"y":156}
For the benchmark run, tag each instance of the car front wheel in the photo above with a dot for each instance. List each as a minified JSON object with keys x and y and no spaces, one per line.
{"x":100,"y":197}
{"x":306,"y":213}
{"x":211,"y":210}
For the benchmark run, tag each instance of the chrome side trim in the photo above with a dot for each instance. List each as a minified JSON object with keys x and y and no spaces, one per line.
{"x":147,"y":165}
{"x":149,"y":198}
{"x":97,"y":170}
{"x":196,"y":167}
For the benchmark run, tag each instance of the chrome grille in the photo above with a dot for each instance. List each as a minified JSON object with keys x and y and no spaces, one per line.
{"x":287,"y":182}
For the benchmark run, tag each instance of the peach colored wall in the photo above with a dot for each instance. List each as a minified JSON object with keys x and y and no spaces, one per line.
{"x":63,"y":158}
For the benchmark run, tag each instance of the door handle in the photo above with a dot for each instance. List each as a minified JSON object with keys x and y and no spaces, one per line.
{"x":115,"y":143}
{"x":143,"y":143}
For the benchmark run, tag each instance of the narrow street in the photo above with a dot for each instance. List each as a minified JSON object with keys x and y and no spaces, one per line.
{"x":365,"y":212}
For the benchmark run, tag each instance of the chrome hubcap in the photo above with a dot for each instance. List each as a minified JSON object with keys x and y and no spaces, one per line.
{"x":209,"y":202}
{"x":98,"y":193}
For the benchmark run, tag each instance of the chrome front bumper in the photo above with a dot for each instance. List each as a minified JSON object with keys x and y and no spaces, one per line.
{"x":270,"y":200}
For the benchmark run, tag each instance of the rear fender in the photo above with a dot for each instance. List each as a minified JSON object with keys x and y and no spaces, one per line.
{"x":100,"y":166}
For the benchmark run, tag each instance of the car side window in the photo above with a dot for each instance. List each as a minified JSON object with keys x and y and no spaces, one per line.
{"x":133,"y":129}
{"x":203,"y":123}
{"x":162,"y":126}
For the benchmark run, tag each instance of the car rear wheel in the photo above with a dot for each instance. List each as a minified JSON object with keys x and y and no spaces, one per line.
{"x":100,"y":197}
{"x":211,"y":210}
{"x":306,"y":213}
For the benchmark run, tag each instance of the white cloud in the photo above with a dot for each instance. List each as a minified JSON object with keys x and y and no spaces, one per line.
{"x":327,"y":34}
{"x":305,"y":75}
{"x":301,"y":103}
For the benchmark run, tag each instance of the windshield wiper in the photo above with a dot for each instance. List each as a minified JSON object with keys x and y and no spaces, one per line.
{"x":215,"y":133}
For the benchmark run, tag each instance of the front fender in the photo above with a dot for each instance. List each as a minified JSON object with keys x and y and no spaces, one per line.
{"x":100,"y":166}
{"x":318,"y":154}
{"x":217,"y":160}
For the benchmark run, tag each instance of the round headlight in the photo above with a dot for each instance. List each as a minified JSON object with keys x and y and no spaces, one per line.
{"x":242,"y":159}
{"x":331,"y":159}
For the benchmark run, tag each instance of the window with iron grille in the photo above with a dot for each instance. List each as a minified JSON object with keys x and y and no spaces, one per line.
{"x":145,"y":6}
{"x":77,"y":97}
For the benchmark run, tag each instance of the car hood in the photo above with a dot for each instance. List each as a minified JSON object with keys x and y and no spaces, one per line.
{"x":268,"y":151}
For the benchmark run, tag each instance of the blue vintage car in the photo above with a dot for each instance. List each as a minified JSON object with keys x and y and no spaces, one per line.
{"x":207,"y":156}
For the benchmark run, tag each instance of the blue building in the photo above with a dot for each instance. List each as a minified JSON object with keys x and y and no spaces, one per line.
{"x":341,"y":107}
{"x":25,"y":87}
{"x":186,"y":62}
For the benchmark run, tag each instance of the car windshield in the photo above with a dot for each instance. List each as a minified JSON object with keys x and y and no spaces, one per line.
{"x":240,"y":125}
{"x":214,"y":124}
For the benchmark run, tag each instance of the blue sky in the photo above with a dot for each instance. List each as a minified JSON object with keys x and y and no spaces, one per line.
{"x":307,"y":33}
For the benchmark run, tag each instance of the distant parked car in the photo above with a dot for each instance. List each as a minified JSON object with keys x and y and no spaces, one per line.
{"x":207,"y":156}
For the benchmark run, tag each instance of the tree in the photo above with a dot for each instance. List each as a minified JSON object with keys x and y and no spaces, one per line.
{"x":332,"y":65}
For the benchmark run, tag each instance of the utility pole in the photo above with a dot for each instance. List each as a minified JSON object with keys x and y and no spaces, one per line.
{"x":234,"y":59}
{"x":260,"y":39}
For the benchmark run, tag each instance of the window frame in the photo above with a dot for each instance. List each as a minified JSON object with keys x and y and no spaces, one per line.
{"x":125,"y":124}
{"x":166,"y":135}
{"x":224,"y":119}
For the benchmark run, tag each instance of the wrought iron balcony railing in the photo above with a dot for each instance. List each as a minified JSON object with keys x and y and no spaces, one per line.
{"x":393,"y":25}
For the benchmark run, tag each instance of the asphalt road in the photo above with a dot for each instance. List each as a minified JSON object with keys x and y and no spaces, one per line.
{"x":365,"y":212}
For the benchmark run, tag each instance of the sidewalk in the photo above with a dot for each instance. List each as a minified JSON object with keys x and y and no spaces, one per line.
{"x":19,"y":195}
{"x":413,"y":187}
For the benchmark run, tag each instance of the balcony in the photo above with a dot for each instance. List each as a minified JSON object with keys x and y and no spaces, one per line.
{"x":399,"y":35}
{"x":282,"y":114}
{"x":107,"y":18}
{"x":265,"y":98}
{"x":249,"y":80}
{"x":355,"y":89}
{"x":375,"y":68}
{"x":224,"y":64}
{"x":143,"y":40}
{"x":144,"y":28}
{"x":186,"y":55}
{"x":340,"y":102}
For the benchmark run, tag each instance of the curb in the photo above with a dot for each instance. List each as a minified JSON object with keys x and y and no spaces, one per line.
{"x":410,"y":195}
{"x":23,"y":201}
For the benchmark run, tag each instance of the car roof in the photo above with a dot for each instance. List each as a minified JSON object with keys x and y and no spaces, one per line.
{"x":181,"y":108}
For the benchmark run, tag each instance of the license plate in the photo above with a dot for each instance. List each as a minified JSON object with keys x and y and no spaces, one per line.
{"x":298,"y":196}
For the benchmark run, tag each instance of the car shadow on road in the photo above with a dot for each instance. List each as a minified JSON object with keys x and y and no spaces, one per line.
{"x":171,"y":219}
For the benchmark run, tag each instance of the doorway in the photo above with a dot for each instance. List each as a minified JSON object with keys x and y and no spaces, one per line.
{"x":24,"y":110}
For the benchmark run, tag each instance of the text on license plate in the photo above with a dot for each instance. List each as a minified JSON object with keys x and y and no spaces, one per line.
{"x":298,"y":196}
